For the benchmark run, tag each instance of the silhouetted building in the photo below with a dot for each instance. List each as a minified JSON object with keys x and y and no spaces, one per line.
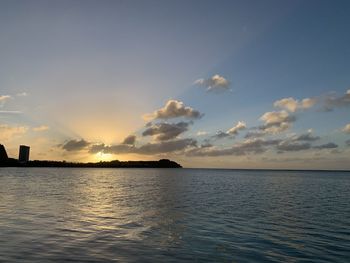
{"x":23,"y":154}
{"x":3,"y":154}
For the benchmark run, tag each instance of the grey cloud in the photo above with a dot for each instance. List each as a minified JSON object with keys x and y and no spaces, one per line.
{"x":255,"y":146}
{"x":75,"y":145}
{"x":255,"y":134}
{"x":220,"y":135}
{"x":305,"y":137}
{"x":146,"y":149}
{"x":96,"y":148}
{"x":130,"y":140}
{"x":332,"y":101}
{"x":348,"y":142}
{"x":166,"y":131}
{"x":166,"y":147}
{"x":289,"y":146}
{"x":174,"y":109}
{"x":329,"y":145}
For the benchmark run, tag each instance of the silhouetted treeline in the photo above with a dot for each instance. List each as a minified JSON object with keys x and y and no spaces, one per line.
{"x":163,"y":163}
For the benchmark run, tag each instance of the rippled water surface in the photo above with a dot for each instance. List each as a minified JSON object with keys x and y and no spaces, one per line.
{"x":160,"y":215}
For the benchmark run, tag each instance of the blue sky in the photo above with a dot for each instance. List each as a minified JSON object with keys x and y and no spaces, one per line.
{"x":86,"y":72}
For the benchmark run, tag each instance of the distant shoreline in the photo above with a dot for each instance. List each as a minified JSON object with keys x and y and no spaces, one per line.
{"x":268,"y":169}
{"x":163,"y":163}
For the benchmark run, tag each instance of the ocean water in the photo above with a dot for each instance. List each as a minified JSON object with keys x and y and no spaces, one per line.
{"x":173,"y":215}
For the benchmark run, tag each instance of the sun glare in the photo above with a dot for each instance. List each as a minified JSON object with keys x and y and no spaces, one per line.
{"x":100,"y":156}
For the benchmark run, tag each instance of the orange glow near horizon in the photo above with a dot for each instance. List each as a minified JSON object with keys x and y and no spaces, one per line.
{"x":100,"y":156}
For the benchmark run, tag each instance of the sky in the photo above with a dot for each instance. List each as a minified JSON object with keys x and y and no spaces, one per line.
{"x":220,"y":84}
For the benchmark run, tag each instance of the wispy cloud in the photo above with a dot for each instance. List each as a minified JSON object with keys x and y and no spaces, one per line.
{"x":201,"y":133}
{"x":231,"y":132}
{"x":216,"y":83}
{"x":41,"y":128}
{"x":333,"y":101}
{"x":9,"y":132}
{"x":22,"y":94}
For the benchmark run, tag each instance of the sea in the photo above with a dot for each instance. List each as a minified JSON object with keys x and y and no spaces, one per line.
{"x":173,"y":215}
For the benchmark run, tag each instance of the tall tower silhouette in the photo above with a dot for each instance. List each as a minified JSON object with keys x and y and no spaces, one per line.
{"x":23,"y":154}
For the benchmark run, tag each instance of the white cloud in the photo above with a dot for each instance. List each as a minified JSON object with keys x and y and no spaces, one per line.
{"x":201,"y":133}
{"x":293,"y":105}
{"x":3,"y":99}
{"x":276,"y":121}
{"x":239,"y":126}
{"x":41,"y":128}
{"x":22,"y":94}
{"x":174,"y":109}
{"x":231,"y":132}
{"x":8,"y":132}
{"x":273,"y":117}
{"x":346,"y":129}
{"x":216,"y":83}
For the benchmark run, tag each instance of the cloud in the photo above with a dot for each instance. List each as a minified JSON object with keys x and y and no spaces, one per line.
{"x":8,"y":132}
{"x":329,"y":145}
{"x":276,"y":121}
{"x":292,"y":146}
{"x":166,"y":147}
{"x":255,"y":134}
{"x":305,"y":137}
{"x":146,"y":149}
{"x":332,"y":101}
{"x":75,"y":145}
{"x":235,"y":129}
{"x":22,"y":94}
{"x":96,"y":148}
{"x":274,"y":117}
{"x":10,"y":112}
{"x":201,"y":133}
{"x":174,"y":109}
{"x":303,"y":142}
{"x":231,"y":132}
{"x":166,"y":131}
{"x":254,"y":146}
{"x":41,"y":128}
{"x":129,"y":140}
{"x":293,"y":105}
{"x":3,"y":99}
{"x":216,"y":83}
{"x":346,"y":129}
{"x":347,"y":142}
